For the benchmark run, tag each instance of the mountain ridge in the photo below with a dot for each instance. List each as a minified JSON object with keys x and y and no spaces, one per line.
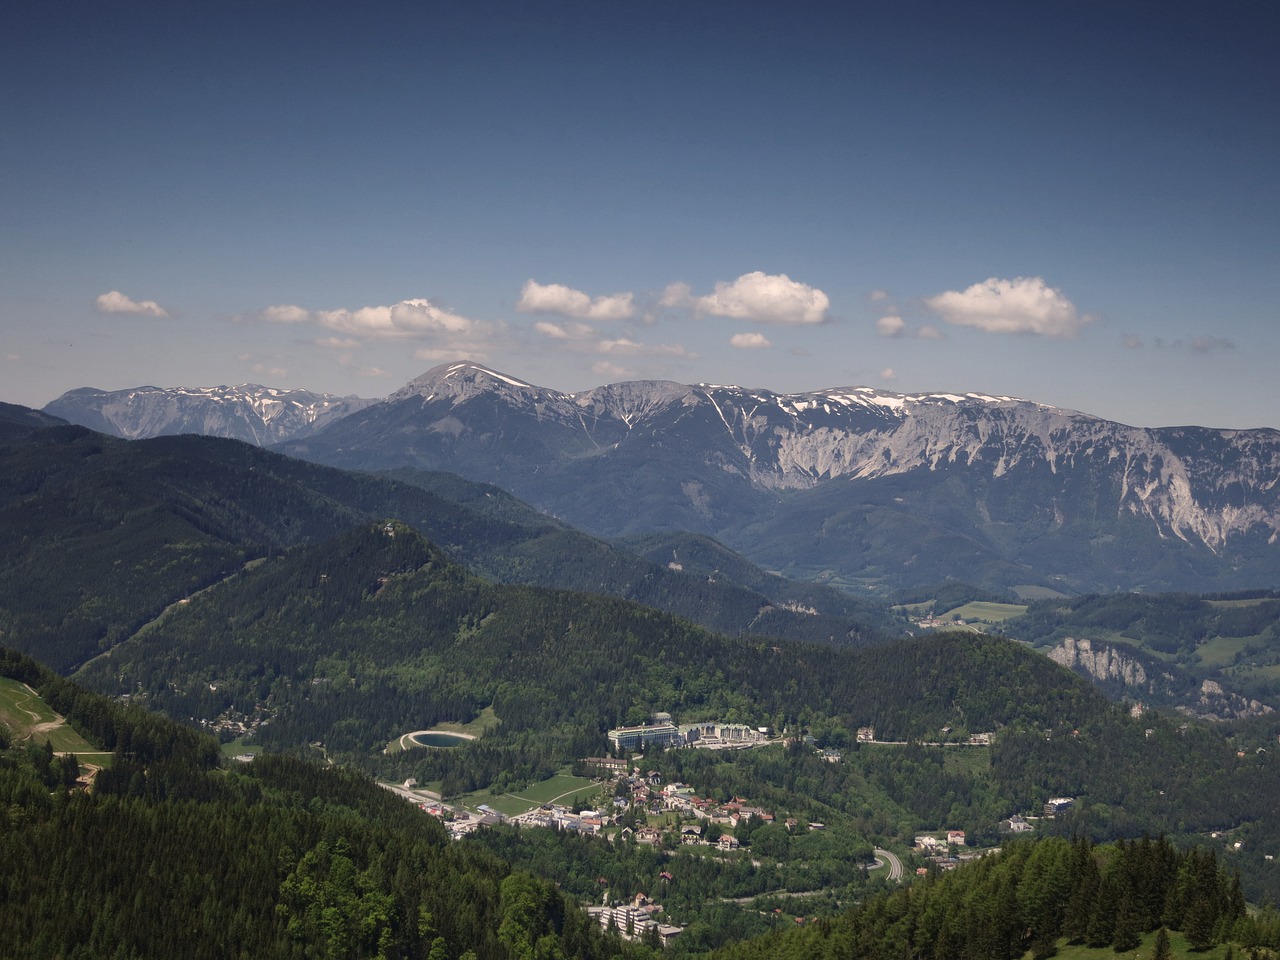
{"x":247,"y":411}
{"x":1028,"y":492}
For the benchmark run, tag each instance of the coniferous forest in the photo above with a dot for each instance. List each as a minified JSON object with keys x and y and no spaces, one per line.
{"x":171,"y":856}
{"x":190,"y":586}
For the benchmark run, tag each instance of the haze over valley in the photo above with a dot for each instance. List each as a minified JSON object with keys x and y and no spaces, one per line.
{"x":573,"y":481}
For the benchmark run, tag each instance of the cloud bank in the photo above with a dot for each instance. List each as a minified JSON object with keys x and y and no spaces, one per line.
{"x":1021,"y":305}
{"x":116,"y":302}
{"x":758,"y":297}
{"x":557,"y":299}
{"x":407,"y":319}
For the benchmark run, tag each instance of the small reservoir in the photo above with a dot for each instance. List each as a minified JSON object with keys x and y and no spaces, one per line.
{"x":438,"y":738}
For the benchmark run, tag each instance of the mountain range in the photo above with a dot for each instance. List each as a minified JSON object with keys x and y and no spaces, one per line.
{"x":249,"y":412}
{"x":855,"y":487}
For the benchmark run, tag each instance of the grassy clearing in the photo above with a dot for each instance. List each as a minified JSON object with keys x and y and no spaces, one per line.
{"x":967,"y":761}
{"x":1240,"y":603}
{"x":562,"y":788}
{"x":1178,"y":947}
{"x":23,"y":712}
{"x":1222,"y":651}
{"x":986,"y":612}
{"x":1030,"y":591}
{"x":237,"y":747}
{"x":21,"y":709}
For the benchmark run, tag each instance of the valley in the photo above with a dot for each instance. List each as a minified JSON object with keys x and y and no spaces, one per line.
{"x":311,"y":615}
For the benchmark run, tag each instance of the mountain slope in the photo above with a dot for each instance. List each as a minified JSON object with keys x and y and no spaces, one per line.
{"x":275,"y":859}
{"x":854,"y":484}
{"x":358,"y":639}
{"x":248,"y":411}
{"x":102,"y":534}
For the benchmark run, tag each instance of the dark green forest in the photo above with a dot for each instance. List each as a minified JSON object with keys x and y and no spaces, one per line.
{"x":238,"y":592}
{"x":102,"y":534}
{"x":172,"y":856}
{"x":1030,"y":899}
{"x":356,"y":641}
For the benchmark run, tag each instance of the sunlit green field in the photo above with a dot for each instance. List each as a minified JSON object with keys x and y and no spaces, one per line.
{"x":562,"y":788}
{"x":1222,"y":651}
{"x":23,"y":712}
{"x":986,"y":612}
{"x":1179,"y":950}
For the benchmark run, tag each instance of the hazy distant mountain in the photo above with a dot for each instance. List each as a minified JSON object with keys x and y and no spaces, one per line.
{"x":249,"y":412}
{"x":854,"y":484}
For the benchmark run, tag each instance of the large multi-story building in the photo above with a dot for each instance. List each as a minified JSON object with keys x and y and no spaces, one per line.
{"x":646,"y":735}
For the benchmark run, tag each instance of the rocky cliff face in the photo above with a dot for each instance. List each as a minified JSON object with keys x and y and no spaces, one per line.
{"x":1107,"y":666}
{"x":1125,"y":674}
{"x":249,"y":412}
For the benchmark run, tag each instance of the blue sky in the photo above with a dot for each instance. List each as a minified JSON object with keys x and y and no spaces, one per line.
{"x":1075,"y":203}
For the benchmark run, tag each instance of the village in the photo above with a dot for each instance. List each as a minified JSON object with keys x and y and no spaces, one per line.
{"x":631,"y":803}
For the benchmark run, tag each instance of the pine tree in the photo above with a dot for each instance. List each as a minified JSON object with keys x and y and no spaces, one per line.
{"x":1162,"y":950}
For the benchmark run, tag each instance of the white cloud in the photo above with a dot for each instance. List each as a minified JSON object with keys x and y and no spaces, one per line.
{"x":757,"y":296}
{"x":565,"y":331}
{"x":888,"y":373}
{"x":285,"y":313}
{"x":677,"y":295}
{"x":372,"y":372}
{"x":406,"y":320}
{"x":555,"y":298}
{"x":749,"y":341}
{"x":1021,"y":305}
{"x":604,"y":368}
{"x":624,"y":347}
{"x":338,"y":343}
{"x":894,"y":326}
{"x":116,"y":302}
{"x":262,"y":368}
{"x":891,"y":326}
{"x":878,"y":295}
{"x":1131,"y":342}
{"x":471,"y":350}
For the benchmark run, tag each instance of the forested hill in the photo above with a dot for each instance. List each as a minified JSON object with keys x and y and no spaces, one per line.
{"x":1034,"y":898}
{"x":100,"y":535}
{"x":170,"y":856}
{"x":356,"y":640}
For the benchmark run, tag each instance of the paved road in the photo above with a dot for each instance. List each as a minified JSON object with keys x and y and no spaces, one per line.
{"x":895,"y":865}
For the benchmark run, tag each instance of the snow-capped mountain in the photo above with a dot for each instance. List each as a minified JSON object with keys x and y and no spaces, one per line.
{"x":851,"y":484}
{"x":248,"y":411}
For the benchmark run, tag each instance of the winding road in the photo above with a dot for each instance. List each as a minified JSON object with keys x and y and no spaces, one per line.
{"x":895,"y":865}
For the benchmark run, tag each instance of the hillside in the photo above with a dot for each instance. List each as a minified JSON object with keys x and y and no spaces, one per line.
{"x":357,"y":639}
{"x":103,"y":535}
{"x":1214,"y":656}
{"x":278,"y":858}
{"x":353,"y":642}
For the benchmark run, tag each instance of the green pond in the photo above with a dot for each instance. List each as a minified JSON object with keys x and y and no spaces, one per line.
{"x":437,"y":739}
